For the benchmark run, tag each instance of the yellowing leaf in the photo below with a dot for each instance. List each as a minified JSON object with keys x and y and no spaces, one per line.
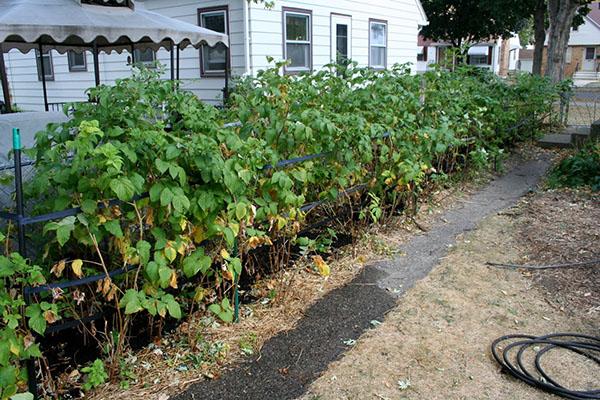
{"x":182,"y":248}
{"x":173,"y":280}
{"x":225,"y":254}
{"x":322,"y":266}
{"x":170,"y":252}
{"x":198,"y":235}
{"x":254,"y":242}
{"x":76,"y":267}
{"x":199,"y":294}
{"x":58,"y":268}
{"x":14,"y":348}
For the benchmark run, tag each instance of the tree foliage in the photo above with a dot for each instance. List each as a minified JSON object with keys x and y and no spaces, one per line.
{"x":471,"y":21}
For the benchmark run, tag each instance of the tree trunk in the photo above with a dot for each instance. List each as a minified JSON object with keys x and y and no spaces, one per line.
{"x":540,"y":36}
{"x":561,"y":14}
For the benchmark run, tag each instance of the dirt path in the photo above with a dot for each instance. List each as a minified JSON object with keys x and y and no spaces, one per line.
{"x":435,"y":344}
{"x":291,"y":361}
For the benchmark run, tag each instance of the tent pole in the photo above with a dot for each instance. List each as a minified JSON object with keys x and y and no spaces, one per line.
{"x":172,"y":54}
{"x":96,"y":64}
{"x":178,"y":49}
{"x":5,"y":88}
{"x":43,"y":73}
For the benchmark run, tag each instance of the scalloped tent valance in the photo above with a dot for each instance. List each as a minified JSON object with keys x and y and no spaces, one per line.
{"x":69,"y":25}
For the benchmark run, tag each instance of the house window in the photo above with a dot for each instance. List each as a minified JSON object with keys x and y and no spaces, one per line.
{"x":297,"y":36}
{"x":46,"y":59}
{"x":377,"y":44}
{"x":341,"y":48}
{"x":213,"y":60}
{"x":590,"y":53}
{"x":422,"y":55}
{"x":146,"y":57}
{"x":77,"y":61}
{"x":478,"y":59}
{"x":110,"y":3}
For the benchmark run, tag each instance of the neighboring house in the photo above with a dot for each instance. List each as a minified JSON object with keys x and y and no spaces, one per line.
{"x":583,"y":53}
{"x":310,"y":33}
{"x":500,"y":56}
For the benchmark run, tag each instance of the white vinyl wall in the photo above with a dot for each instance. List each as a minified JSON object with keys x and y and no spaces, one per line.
{"x":403,"y":18}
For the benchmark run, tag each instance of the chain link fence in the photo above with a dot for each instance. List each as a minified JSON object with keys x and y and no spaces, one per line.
{"x":580,"y":108}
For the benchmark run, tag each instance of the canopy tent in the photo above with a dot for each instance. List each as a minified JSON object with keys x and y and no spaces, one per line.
{"x":95,"y":25}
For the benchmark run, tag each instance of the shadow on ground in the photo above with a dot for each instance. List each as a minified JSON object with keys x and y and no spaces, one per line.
{"x":292,"y":360}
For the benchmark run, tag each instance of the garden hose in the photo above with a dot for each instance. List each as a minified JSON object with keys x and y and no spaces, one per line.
{"x":584,"y":345}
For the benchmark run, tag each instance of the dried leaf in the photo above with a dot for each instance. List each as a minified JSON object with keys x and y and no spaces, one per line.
{"x":50,"y":316}
{"x":322,"y":266}
{"x":58,"y":268}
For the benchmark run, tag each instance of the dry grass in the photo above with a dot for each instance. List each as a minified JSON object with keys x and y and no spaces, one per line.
{"x":435,"y":344}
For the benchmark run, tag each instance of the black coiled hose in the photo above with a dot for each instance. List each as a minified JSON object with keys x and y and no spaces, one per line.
{"x":584,"y":345}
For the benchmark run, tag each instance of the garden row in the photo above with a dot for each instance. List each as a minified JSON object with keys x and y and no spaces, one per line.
{"x":196,"y":197}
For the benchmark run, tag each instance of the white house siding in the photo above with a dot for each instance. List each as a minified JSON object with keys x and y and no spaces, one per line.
{"x":26,"y":89}
{"x":402,"y":16}
{"x":208,"y":89}
{"x":587,"y":34}
{"x":265,"y":39}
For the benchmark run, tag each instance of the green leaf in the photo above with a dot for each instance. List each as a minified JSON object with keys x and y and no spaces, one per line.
{"x":22,"y":396}
{"x":161,"y":165}
{"x":152,"y":272}
{"x":89,"y":206}
{"x":7,"y":267}
{"x":143,"y":249}
{"x":173,"y":307}
{"x":123,"y":188}
{"x":155,"y":191}
{"x":196,"y":262}
{"x":63,"y":229}
{"x":164,"y":276}
{"x":36,"y":321}
{"x":131,"y":302}
{"x":240,"y":211}
{"x":114,"y":228}
{"x":166,"y":196}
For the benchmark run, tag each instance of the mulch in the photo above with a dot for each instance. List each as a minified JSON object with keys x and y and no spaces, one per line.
{"x":563,"y":226}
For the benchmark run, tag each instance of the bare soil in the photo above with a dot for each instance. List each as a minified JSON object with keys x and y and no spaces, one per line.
{"x":435,"y":343}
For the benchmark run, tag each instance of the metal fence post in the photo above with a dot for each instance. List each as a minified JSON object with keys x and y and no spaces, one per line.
{"x":19,"y":191}
{"x":31,"y":378}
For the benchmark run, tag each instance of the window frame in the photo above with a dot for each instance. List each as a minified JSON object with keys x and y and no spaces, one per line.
{"x":77,"y":68}
{"x":38,"y":60}
{"x":303,"y":12}
{"x":340,"y":19}
{"x":213,"y":10}
{"x":147,"y":64}
{"x":594,"y":53}
{"x":373,"y":21}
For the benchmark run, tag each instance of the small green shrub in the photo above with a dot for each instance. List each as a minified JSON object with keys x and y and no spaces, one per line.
{"x":579,"y":169}
{"x":95,"y":375}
